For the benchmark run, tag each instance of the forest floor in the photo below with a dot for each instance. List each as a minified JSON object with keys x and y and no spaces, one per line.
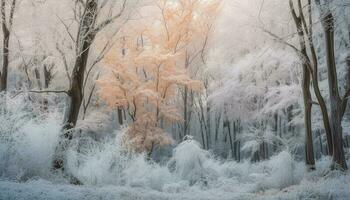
{"x":190,"y":173}
{"x":315,"y":185}
{"x":334,"y":188}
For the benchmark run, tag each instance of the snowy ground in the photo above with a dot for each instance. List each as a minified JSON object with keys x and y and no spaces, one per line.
{"x":324,"y":188}
{"x":278,"y":178}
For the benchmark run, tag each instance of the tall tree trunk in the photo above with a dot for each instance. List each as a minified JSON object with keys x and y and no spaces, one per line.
{"x":120,"y":116}
{"x":5,"y":57}
{"x":227,"y":124}
{"x":86,"y":35}
{"x":320,"y":140}
{"x":234,"y":129}
{"x":324,"y":112}
{"x":320,"y":99}
{"x":6,"y":28}
{"x":275,"y":124}
{"x":239,"y":129}
{"x":309,"y":151}
{"x":186,"y":120}
{"x":306,"y":80}
{"x":217,"y":125}
{"x":339,"y":161}
{"x":208,"y":121}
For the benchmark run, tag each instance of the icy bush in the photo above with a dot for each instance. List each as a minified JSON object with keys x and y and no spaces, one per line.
{"x":27,"y":139}
{"x":108,"y":162}
{"x":92,"y":162}
{"x":189,"y":163}
{"x":141,"y":173}
{"x":282,"y":171}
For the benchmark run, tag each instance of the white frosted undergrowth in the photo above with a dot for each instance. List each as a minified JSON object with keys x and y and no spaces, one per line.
{"x":28,"y":142}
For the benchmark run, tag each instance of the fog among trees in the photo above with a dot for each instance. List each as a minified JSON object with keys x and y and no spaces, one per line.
{"x":174,"y":99}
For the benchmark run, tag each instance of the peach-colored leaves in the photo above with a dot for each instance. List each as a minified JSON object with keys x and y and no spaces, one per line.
{"x":146,"y":67}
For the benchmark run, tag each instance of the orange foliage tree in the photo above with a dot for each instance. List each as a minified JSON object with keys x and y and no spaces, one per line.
{"x":147,"y":66}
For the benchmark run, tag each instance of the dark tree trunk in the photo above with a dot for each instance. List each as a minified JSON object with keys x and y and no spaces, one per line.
{"x":5,"y":57}
{"x":202,"y":132}
{"x":239,"y":130}
{"x":235,"y":140}
{"x":339,"y":161}
{"x":320,"y":141}
{"x":120,"y":116}
{"x":227,"y":125}
{"x":309,"y":151}
{"x":320,"y":99}
{"x":275,"y":119}
{"x":306,"y":81}
{"x":85,"y":38}
{"x":217,"y":126}
{"x":186,"y":120}
{"x":6,"y":28}
{"x":324,"y":112}
{"x":208,"y":121}
{"x":5,"y":49}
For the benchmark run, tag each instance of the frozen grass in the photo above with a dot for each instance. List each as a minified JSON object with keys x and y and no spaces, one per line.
{"x":108,"y":171}
{"x":324,"y":188}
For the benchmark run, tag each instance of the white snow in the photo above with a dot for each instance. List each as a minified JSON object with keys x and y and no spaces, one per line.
{"x":108,"y":171}
{"x":322,"y":187}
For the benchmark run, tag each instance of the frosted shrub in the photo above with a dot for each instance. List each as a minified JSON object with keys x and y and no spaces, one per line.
{"x":281,"y":171}
{"x":96,"y":162}
{"x":109,"y":162}
{"x":189,"y":162}
{"x":27,"y":139}
{"x":141,"y":173}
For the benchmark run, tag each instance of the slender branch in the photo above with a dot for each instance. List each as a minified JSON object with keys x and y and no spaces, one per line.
{"x":87,"y":103}
{"x":12,"y":12}
{"x":42,"y":91}
{"x":26,"y":65}
{"x":105,"y":23}
{"x":67,"y":29}
{"x":281,"y":40}
{"x":65,"y":63}
{"x":107,"y":47}
{"x":49,"y":91}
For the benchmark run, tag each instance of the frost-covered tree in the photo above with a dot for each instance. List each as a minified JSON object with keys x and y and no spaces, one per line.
{"x":255,"y":89}
{"x":338,"y":103}
{"x":91,"y":19}
{"x":152,"y":64}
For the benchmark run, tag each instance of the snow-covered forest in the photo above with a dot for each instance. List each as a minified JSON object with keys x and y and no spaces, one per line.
{"x":174,"y":99}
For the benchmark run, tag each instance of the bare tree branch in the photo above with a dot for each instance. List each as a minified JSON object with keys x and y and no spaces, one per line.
{"x":49,"y":91}
{"x":105,"y":23}
{"x":67,"y":29}
{"x":65,"y":63}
